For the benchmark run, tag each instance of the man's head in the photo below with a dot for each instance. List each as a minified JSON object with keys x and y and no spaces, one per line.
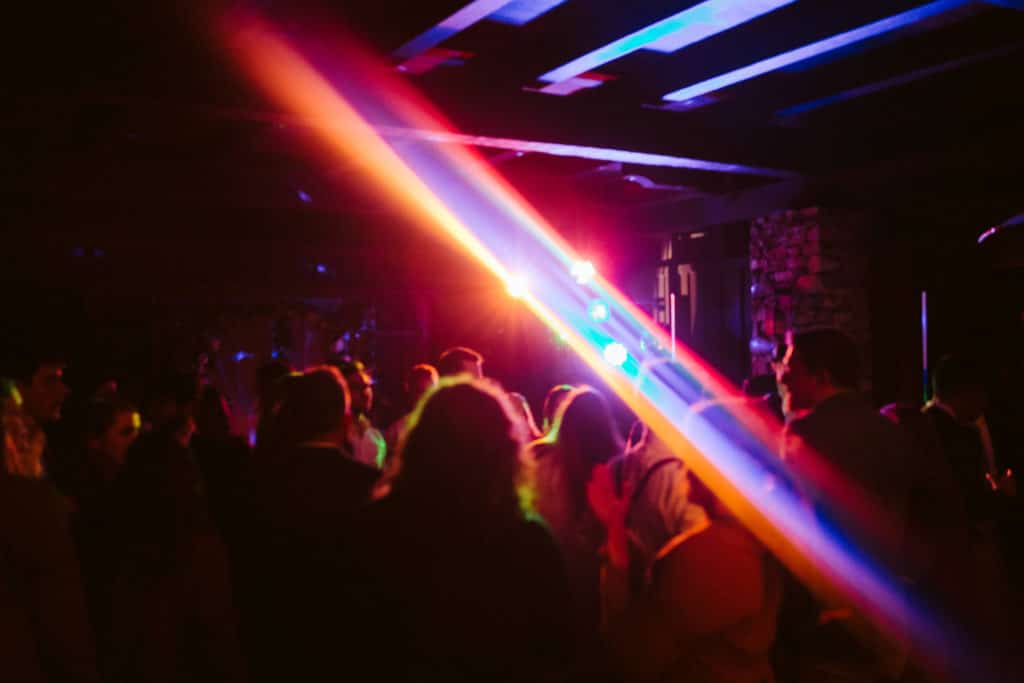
{"x":957,"y":382}
{"x":461,"y":361}
{"x":817,"y":365}
{"x":112,"y":426}
{"x":315,"y":408}
{"x":171,"y":405}
{"x":360,"y":386}
{"x":39,"y":376}
{"x":419,"y":380}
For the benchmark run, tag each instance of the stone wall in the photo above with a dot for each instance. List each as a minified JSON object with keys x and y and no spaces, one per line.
{"x":808,"y":271}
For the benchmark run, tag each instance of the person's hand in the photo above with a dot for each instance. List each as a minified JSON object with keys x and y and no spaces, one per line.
{"x":1004,"y":483}
{"x":608,"y":507}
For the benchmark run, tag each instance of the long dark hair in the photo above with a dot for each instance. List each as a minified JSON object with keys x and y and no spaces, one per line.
{"x":585,"y":435}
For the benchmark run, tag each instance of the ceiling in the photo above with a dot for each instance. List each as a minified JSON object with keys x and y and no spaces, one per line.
{"x":119,"y":107}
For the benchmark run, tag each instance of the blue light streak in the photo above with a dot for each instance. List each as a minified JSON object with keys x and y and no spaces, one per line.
{"x":671,"y":33}
{"x":457,"y":22}
{"x":519,"y":12}
{"x":815,"y":49}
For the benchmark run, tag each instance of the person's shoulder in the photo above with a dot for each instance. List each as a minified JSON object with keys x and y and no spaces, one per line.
{"x":22,"y":493}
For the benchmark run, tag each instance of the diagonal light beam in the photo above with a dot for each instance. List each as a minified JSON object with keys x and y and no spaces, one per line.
{"x":450,"y":189}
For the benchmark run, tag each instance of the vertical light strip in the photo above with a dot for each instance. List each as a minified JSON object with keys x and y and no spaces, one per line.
{"x":820,"y":47}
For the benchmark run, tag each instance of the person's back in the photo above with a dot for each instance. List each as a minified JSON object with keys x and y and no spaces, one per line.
{"x":449,"y":580}
{"x":44,"y":634}
{"x":856,"y":443}
{"x":44,"y":631}
{"x":709,"y":614}
{"x":853,"y":465}
{"x":298,"y":498}
{"x":172,"y":613}
{"x":446,"y":599}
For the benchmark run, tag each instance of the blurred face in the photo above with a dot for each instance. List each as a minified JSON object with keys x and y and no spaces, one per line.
{"x":360,"y":387}
{"x":44,"y":395}
{"x":113,"y":444}
{"x":800,"y":388}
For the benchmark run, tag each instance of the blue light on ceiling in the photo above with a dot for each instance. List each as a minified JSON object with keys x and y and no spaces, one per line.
{"x":459,"y":21}
{"x":815,"y":49}
{"x":671,"y":33}
{"x":516,"y":12}
{"x":519,"y":12}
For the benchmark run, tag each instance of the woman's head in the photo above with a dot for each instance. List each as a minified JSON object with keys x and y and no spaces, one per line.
{"x":584,"y":425}
{"x":463,"y":447}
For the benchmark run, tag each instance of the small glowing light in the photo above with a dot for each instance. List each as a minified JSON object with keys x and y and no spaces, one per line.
{"x":242,"y":355}
{"x":583,"y":271}
{"x":304,"y":196}
{"x":321,"y":268}
{"x":599,"y":311}
{"x":616,"y":354}
{"x":696,"y":235}
{"x":516,"y":286}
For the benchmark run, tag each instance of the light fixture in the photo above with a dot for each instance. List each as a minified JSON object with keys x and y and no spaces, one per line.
{"x":616,"y":354}
{"x":672,"y":33}
{"x":583,"y":271}
{"x":599,"y":311}
{"x":516,"y":286}
{"x":782,"y":60}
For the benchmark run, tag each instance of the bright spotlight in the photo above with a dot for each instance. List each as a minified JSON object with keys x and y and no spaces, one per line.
{"x":615,"y":353}
{"x":599,"y":311}
{"x":583,"y":271}
{"x":516,"y":286}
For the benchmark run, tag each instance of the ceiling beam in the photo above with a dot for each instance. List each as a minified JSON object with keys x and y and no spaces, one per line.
{"x":893,"y":82}
{"x":583,"y":152}
{"x":670,"y":34}
{"x":811,"y":50}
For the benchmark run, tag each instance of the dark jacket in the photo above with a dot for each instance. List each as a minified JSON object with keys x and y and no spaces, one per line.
{"x":44,"y":632}
{"x":440,"y":593}
{"x":171,"y":613}
{"x":287,"y":546}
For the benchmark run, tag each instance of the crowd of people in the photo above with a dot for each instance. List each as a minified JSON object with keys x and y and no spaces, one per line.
{"x":465,"y":542}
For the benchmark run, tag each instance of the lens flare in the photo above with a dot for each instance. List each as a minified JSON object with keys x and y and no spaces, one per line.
{"x":517,"y":286}
{"x":583,"y":272}
{"x":450,"y":189}
{"x":616,"y":354}
{"x":599,"y":311}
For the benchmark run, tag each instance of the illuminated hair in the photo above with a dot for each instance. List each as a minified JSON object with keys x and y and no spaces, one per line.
{"x":452,"y":360}
{"x":585,"y":435}
{"x":421,"y":371}
{"x":22,"y":454}
{"x":463,"y":448}
{"x":555,"y":397}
